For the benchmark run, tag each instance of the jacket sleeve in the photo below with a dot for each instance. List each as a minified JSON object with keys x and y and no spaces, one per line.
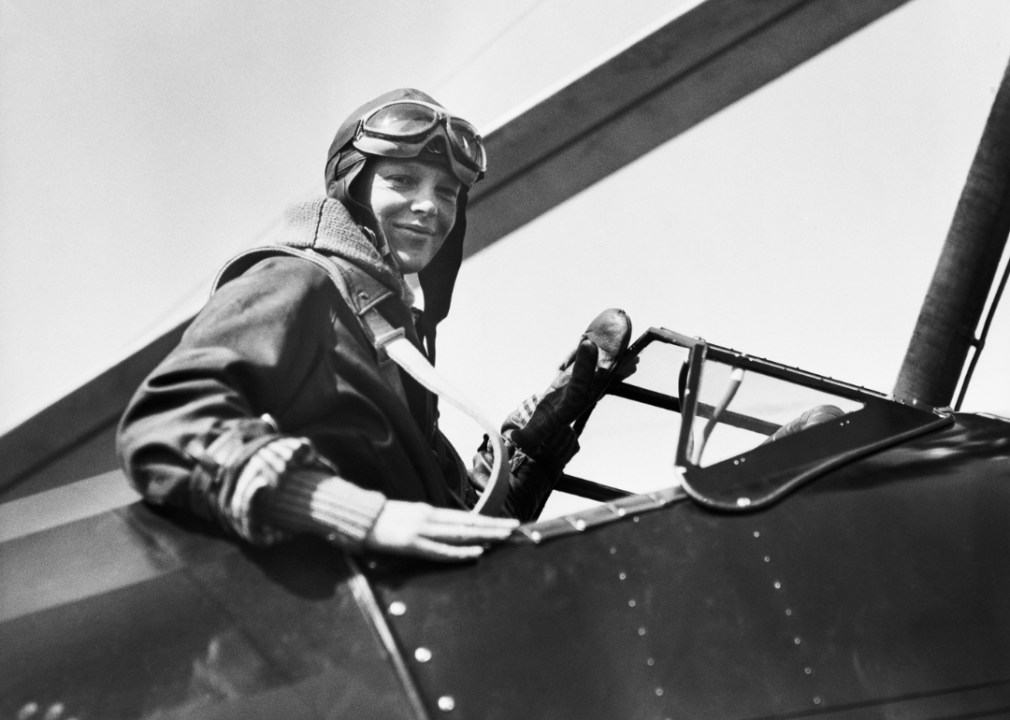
{"x":199,"y":435}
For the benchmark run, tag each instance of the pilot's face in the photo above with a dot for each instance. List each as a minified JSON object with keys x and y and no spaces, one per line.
{"x":414,"y":204}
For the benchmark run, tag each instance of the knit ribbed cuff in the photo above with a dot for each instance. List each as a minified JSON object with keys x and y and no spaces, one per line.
{"x":313,"y":501}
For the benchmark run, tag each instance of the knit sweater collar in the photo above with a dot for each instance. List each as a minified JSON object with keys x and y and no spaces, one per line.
{"x":324,"y":224}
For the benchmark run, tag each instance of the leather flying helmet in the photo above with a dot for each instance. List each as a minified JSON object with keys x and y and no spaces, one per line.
{"x":410,"y":123}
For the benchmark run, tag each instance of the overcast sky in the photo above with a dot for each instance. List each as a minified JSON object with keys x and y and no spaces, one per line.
{"x":141,"y":144}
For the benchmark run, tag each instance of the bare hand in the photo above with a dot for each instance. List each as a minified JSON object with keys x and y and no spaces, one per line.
{"x":421,"y":530}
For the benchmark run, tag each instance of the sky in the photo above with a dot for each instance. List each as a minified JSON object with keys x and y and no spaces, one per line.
{"x":142,"y":144}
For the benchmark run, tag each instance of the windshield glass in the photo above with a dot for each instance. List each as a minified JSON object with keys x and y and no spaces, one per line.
{"x":740,"y":409}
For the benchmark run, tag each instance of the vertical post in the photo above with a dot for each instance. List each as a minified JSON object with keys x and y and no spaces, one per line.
{"x":956,"y":297}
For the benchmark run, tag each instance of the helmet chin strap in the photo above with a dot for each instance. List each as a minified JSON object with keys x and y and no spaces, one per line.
{"x":378,"y":238}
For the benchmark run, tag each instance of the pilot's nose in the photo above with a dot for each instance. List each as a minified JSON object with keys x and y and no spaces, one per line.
{"x":425,"y":202}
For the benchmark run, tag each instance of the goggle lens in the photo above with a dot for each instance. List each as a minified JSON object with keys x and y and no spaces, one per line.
{"x":402,"y":120}
{"x":465,"y":137}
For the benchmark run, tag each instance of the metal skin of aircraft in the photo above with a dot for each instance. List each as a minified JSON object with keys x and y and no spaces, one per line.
{"x":811,"y":548}
{"x":853,"y":568}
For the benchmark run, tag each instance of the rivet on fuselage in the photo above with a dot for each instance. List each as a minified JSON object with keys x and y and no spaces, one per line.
{"x":446,"y":703}
{"x":422,"y":654}
{"x":397,"y":608}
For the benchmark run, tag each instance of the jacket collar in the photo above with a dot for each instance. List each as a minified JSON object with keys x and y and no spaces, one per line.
{"x":325,"y":225}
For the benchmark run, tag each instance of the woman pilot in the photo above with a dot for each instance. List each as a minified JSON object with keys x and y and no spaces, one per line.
{"x":276,"y":415}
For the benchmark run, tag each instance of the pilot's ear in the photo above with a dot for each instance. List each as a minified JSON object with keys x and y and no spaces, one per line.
{"x":331,"y":189}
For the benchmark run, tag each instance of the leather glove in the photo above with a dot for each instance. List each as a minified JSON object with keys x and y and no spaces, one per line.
{"x":547,"y":428}
{"x":541,"y":426}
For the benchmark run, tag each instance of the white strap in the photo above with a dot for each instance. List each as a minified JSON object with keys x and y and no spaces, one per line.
{"x":393,"y":342}
{"x":408,"y":357}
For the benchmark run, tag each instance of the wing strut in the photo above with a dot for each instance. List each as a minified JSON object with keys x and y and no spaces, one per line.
{"x":964,"y":274}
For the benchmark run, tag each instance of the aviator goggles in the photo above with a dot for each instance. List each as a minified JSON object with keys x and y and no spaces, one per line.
{"x":404,"y":128}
